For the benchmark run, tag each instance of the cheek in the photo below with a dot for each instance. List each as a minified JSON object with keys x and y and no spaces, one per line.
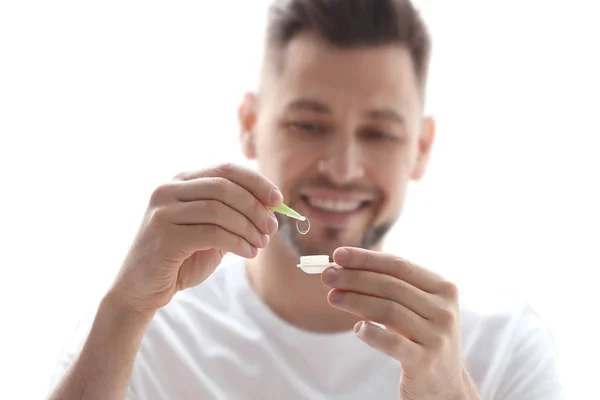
{"x":295,"y":163}
{"x":283,"y":162}
{"x":390,"y":170}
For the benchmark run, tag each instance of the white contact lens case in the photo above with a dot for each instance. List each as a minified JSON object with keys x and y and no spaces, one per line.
{"x":315,"y":264}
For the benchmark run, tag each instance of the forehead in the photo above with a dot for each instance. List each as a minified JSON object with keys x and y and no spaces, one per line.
{"x":312,"y":67}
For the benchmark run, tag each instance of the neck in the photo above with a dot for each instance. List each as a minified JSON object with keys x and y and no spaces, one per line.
{"x":297,"y":297}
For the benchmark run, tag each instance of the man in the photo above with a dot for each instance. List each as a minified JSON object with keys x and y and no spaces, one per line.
{"x":338,"y":130}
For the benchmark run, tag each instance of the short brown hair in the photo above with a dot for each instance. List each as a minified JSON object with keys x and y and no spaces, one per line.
{"x":353,"y":23}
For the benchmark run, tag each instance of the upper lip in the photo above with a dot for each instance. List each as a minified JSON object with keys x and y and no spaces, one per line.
{"x":337,"y":195}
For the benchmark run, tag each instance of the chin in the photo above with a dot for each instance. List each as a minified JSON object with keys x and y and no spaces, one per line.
{"x":329,"y":241}
{"x":324,"y":239}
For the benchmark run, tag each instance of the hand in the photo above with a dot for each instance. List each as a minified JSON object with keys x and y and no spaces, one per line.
{"x":189,"y":225}
{"x":420,"y":311}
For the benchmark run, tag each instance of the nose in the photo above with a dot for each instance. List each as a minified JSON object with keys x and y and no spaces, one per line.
{"x":342,"y":162}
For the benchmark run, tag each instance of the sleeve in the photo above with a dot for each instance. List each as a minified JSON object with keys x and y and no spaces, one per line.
{"x":533,"y":371}
{"x":70,"y":351}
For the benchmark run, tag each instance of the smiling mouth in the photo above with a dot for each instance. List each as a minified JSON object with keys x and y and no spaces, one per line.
{"x":335,"y":206}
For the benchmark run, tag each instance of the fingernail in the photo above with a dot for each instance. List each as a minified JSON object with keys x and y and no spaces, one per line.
{"x":264,"y":240}
{"x":330,"y":275}
{"x":336,"y":296}
{"x":342,"y":255}
{"x":275,"y":196}
{"x":272,"y":224}
{"x":359,"y":328}
{"x":253,"y":251}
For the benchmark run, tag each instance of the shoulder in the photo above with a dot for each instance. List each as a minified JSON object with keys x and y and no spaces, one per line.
{"x":503,"y":315}
{"x":508,"y":347}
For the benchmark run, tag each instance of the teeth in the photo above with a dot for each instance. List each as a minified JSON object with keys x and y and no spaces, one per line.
{"x":336,"y":206}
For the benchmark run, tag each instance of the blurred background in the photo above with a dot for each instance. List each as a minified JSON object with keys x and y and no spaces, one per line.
{"x":102,"y":101}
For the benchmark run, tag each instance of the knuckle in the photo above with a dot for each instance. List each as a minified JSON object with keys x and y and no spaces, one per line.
{"x":404,"y":266}
{"x":260,"y":214}
{"x":211,"y":232}
{"x":351,"y":300}
{"x":258,"y":209}
{"x":240,"y":243}
{"x":161,"y":193}
{"x":220,"y":184}
{"x":159,"y":215}
{"x":348,"y":278}
{"x":449,"y":289}
{"x":215,"y":208}
{"x":446,"y":317}
{"x":181,"y":176}
{"x":391,"y":286}
{"x":438,"y":341}
{"x":387,"y":311}
{"x":249,"y":227}
{"x":224,"y":169}
{"x":366,"y":258}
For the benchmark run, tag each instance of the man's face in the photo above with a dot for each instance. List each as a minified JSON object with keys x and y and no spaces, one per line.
{"x":341,"y":133}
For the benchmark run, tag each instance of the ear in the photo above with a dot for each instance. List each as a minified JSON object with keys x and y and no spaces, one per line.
{"x":247,"y":112}
{"x":425,"y":144}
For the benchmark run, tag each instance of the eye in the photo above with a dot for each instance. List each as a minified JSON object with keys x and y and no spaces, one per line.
{"x":378,"y":135}
{"x":307,"y":127}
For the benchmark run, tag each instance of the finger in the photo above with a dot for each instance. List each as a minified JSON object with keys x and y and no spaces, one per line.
{"x":389,"y":313}
{"x":388,"y":342}
{"x":234,"y":196}
{"x":255,"y":183}
{"x":216,"y":213}
{"x":356,"y":258}
{"x":205,"y":237}
{"x":383,"y":286}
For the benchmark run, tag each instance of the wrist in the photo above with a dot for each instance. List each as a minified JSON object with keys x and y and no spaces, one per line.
{"x":117,"y":307}
{"x":470,"y":391}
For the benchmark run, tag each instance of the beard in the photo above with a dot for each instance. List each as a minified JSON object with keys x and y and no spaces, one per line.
{"x":330,"y":240}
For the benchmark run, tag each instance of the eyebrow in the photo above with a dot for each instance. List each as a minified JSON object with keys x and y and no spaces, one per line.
{"x":386,"y":114}
{"x":309,"y":105}
{"x":382,"y":114}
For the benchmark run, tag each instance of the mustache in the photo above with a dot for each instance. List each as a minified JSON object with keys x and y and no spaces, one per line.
{"x":324,"y":183}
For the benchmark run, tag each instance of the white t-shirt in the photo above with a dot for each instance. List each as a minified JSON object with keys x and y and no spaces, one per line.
{"x":219,"y":340}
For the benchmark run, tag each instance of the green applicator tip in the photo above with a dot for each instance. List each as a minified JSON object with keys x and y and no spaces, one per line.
{"x":285,"y":210}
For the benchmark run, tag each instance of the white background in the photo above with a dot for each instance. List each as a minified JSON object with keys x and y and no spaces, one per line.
{"x":102,"y":101}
